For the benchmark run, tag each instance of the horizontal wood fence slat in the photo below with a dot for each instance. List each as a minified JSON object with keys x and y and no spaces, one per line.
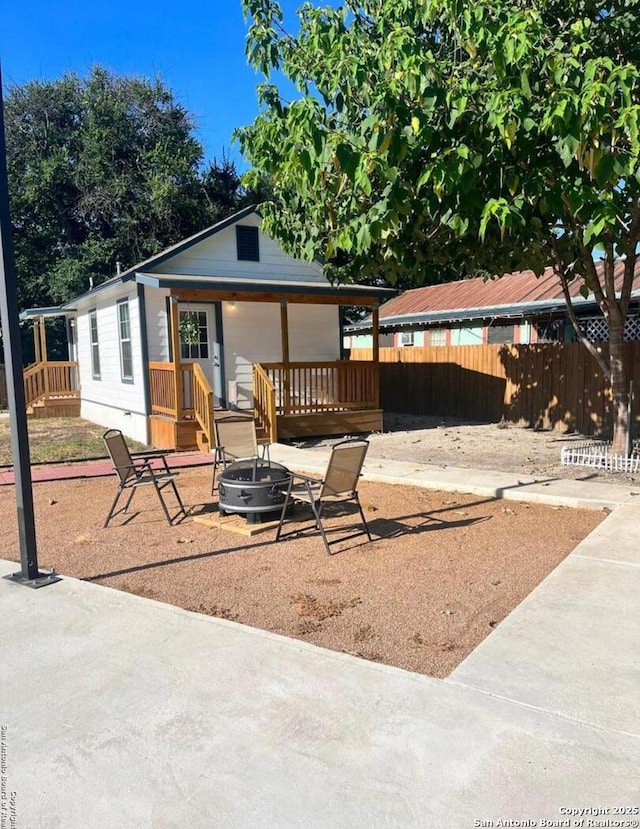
{"x":545,"y":385}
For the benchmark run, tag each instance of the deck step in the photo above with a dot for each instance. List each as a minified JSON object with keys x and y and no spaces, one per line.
{"x":202,"y":441}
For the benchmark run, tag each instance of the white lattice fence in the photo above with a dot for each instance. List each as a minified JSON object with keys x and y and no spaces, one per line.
{"x":595,"y":329}
{"x":597,"y":454}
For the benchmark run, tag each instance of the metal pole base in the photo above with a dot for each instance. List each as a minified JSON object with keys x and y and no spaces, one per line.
{"x":41,"y":580}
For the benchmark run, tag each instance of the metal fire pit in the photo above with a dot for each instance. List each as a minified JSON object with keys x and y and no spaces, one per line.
{"x":253,"y":488}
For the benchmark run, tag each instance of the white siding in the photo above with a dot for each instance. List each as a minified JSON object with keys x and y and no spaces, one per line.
{"x":131,"y":424}
{"x":314,"y":332}
{"x":157,"y":325}
{"x":251,"y":335}
{"x":109,"y":401}
{"x":218,"y":256}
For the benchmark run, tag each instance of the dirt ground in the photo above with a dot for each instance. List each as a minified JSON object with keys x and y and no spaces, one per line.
{"x":442,"y":571}
{"x":442,"y":442}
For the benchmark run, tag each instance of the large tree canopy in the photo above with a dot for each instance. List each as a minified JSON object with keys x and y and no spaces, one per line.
{"x":439,"y":135}
{"x":103,"y":169}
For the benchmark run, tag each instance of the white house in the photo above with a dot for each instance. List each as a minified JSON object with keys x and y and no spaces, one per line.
{"x":223,"y":319}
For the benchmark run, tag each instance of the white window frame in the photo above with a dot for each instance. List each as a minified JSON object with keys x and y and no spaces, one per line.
{"x":94,"y":343}
{"x":194,"y":351}
{"x":406,"y":339}
{"x":122,"y":340}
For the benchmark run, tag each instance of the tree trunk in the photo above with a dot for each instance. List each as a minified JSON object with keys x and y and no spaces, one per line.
{"x":619,"y":387}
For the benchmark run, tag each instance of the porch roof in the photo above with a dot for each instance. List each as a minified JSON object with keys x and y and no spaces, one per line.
{"x":235,"y":285}
{"x":51,"y":311}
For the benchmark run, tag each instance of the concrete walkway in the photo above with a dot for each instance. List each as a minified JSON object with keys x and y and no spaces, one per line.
{"x":95,"y":469}
{"x":119,"y":711}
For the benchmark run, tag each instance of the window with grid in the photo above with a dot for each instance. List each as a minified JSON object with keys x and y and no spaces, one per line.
{"x":200,"y":349}
{"x":437,"y":336}
{"x":498,"y":334}
{"x":124,"y":330}
{"x":95,"y":348}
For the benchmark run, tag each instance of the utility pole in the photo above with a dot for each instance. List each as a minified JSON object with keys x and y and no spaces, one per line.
{"x":29,"y":575}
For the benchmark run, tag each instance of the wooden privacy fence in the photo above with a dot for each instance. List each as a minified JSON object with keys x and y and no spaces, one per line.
{"x":550,"y":385}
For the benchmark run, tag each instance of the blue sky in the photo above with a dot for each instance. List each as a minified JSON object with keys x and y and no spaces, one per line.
{"x":196,"y":47}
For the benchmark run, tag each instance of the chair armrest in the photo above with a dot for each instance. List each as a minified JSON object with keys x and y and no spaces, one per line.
{"x":151,"y":453}
{"x":307,"y":478}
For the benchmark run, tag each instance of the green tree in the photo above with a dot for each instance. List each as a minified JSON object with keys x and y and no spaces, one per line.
{"x":103,"y":169}
{"x":436,"y":136}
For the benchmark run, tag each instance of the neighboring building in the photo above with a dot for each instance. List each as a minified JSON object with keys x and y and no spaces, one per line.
{"x":517,"y":308}
{"x":244,"y":302}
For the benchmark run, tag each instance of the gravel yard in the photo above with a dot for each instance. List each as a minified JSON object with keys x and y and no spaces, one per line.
{"x":442,"y":572}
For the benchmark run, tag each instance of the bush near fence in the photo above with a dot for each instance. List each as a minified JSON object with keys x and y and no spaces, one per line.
{"x":545,"y":386}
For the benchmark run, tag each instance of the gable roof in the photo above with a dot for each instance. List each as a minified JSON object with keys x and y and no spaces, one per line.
{"x":142,"y":272}
{"x":189,"y":242}
{"x":512,"y":295}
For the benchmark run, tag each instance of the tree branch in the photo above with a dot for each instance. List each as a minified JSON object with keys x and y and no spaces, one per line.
{"x":597,"y":356}
{"x":560,"y":272}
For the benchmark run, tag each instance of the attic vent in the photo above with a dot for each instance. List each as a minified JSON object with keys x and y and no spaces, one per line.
{"x":247,"y":242}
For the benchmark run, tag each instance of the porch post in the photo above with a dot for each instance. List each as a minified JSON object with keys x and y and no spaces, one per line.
{"x":284,"y":334}
{"x":375,"y":327}
{"x":175,"y":352}
{"x":44,"y":356}
{"x":36,"y":340}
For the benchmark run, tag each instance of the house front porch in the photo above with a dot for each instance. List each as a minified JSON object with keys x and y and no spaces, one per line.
{"x":289,"y":398}
{"x":289,"y":401}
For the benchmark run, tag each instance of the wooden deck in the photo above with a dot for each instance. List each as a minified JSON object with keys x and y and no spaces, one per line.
{"x":290,"y":400}
{"x":52,"y":389}
{"x":316,"y":399}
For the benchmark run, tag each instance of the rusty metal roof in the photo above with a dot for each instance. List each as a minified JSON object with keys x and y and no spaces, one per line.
{"x":511,"y":296}
{"x":470,"y":294}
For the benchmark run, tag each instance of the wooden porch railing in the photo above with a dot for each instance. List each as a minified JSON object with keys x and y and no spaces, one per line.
{"x":51,"y":379}
{"x":264,"y":403}
{"x":202,"y":401}
{"x":163,"y":391}
{"x":301,"y":388}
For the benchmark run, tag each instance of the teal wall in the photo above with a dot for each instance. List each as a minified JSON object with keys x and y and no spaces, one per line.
{"x":467,"y":336}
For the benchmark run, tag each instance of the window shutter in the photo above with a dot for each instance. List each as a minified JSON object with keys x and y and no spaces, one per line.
{"x":247,"y":242}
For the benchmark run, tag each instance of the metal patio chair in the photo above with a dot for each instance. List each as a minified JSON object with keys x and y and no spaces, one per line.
{"x":339,"y":484}
{"x":236,"y":438}
{"x":136,"y":470}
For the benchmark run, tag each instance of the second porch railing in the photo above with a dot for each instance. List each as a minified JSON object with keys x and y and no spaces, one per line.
{"x":57,"y":378}
{"x":162,"y":387}
{"x":302,"y":388}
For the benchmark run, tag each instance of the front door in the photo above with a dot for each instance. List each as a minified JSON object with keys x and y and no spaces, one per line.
{"x":203,"y":348}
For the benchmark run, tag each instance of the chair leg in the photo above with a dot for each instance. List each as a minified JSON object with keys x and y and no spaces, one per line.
{"x":129,"y":499}
{"x":178,"y":498}
{"x":164,"y":506}
{"x":316,"y":506}
{"x":113,"y":506}
{"x":218,"y":460}
{"x":364,"y":520}
{"x":284,"y":510}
